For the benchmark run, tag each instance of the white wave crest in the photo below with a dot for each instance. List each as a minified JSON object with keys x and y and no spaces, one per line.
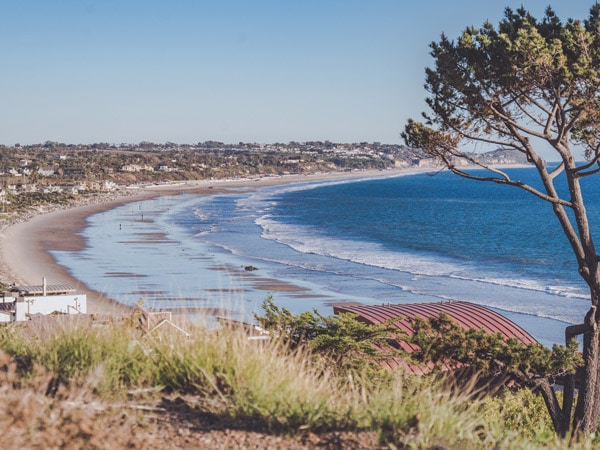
{"x":306,"y":240}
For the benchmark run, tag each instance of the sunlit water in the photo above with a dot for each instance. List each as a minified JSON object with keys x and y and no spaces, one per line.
{"x":403,"y":239}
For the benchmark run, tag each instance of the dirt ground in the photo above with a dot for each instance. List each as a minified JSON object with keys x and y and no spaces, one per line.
{"x":180,"y":426}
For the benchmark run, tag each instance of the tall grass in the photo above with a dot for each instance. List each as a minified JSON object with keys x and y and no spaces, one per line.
{"x":266,"y":385}
{"x":73,"y":348}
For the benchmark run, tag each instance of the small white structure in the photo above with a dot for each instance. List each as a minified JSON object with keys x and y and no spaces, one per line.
{"x":21,"y":302}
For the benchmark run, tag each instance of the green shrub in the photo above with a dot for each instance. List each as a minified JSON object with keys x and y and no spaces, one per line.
{"x":271,"y":386}
{"x":338,"y":341}
{"x":521,"y":411}
{"x":72,"y":349}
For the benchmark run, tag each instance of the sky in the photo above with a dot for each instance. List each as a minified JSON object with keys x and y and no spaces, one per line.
{"x":187,"y":71}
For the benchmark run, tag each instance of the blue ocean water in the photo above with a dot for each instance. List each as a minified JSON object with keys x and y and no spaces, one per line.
{"x":402,"y":239}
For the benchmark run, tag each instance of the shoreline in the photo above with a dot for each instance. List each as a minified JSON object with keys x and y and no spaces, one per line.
{"x":25,"y":246}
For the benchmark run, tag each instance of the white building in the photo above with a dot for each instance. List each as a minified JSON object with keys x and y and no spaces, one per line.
{"x":137,"y":168}
{"x":20,"y":303}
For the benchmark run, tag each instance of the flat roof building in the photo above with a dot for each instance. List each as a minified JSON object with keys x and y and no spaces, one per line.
{"x":20,"y":303}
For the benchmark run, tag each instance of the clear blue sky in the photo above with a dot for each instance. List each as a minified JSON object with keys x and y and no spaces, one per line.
{"x":84,"y":71}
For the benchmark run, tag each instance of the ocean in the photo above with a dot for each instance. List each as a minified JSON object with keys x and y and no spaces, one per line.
{"x":397,"y":239}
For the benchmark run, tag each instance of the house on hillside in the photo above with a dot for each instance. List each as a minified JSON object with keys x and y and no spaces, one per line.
{"x":21,"y":303}
{"x":108,"y":186}
{"x":137,"y":168}
{"x":46,"y":171}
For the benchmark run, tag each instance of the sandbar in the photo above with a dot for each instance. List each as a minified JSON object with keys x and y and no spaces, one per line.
{"x":25,"y":247}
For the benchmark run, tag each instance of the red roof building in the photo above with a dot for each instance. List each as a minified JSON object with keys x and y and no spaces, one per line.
{"x":467,"y":315}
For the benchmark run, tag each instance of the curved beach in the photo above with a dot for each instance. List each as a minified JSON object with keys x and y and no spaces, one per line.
{"x":25,"y":247}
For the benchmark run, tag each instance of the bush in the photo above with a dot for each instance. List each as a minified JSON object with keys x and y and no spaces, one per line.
{"x":265,"y":385}
{"x":520,"y":411}
{"x":340,"y":341}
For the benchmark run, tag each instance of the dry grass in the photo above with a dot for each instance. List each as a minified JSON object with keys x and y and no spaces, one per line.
{"x":70,"y":419}
{"x":72,"y":384}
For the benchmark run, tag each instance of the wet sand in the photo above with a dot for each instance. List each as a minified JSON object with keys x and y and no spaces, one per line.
{"x":25,"y":246}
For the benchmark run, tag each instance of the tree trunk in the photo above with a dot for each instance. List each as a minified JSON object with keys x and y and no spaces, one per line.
{"x":559,"y":419}
{"x":587,"y":411}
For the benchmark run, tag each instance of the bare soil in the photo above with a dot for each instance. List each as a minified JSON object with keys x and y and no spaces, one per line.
{"x":181,"y":426}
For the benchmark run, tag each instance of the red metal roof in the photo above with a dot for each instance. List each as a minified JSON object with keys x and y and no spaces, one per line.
{"x":467,"y":315}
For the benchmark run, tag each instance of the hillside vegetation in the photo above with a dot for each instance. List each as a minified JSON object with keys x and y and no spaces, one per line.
{"x":49,"y":173}
{"x":69,"y":382}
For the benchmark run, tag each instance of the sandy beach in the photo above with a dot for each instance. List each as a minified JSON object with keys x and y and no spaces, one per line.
{"x":25,"y":246}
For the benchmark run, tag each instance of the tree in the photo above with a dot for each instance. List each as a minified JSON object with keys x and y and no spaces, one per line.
{"x":341,"y":340}
{"x":524,"y":86}
{"x":446,"y":344}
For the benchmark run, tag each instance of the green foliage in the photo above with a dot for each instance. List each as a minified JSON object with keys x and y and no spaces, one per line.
{"x":528,"y":86}
{"x":340,"y":339}
{"x":198,"y":364}
{"x":273,"y":387}
{"x":489,"y":71}
{"x":442,"y":341}
{"x":71,"y":354}
{"x":13,"y":342}
{"x":32,"y":199}
{"x":73,"y":351}
{"x":505,"y":85}
{"x":521,"y":411}
{"x":409,"y":410}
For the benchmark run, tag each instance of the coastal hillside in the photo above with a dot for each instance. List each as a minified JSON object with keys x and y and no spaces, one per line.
{"x":53,"y":172}
{"x":75,"y":383}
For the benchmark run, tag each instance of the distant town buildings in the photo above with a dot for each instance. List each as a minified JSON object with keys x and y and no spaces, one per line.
{"x":52,"y":172}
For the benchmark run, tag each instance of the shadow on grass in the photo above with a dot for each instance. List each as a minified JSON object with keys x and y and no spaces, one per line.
{"x":207,"y":417}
